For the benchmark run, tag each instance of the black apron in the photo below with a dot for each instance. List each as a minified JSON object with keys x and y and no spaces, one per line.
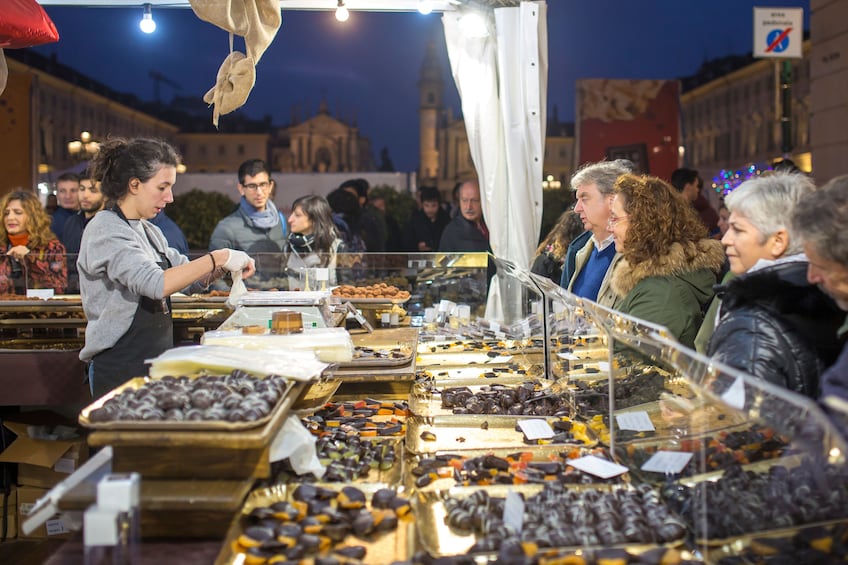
{"x":150,"y":334}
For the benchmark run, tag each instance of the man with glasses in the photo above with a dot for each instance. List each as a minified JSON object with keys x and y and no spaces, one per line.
{"x":256,"y":226}
{"x":591,"y":257}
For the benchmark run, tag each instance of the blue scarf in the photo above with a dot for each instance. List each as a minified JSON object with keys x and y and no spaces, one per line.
{"x":266,"y":219}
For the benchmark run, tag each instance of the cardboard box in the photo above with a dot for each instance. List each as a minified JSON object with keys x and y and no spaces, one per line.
{"x":11,"y":515}
{"x":52,"y":528}
{"x":44,"y":462}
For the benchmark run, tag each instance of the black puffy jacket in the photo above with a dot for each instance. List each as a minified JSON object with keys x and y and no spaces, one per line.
{"x":777,"y":326}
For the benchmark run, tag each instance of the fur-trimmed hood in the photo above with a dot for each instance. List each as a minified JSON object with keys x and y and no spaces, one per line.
{"x":705,"y":254}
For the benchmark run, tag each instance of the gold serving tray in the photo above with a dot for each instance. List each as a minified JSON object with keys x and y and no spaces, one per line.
{"x":475,"y":373}
{"x":376,"y":478}
{"x":729,"y":547}
{"x":316,"y":393}
{"x":539,"y":454}
{"x":459,"y":432}
{"x":440,"y":540}
{"x":187,"y":425}
{"x":426,"y":401}
{"x":396,"y":545}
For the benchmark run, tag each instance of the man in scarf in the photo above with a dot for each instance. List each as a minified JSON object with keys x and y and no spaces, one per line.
{"x":256,"y":226}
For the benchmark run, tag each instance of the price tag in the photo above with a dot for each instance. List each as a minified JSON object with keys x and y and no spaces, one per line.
{"x":536,"y":429}
{"x":42,"y":293}
{"x":603,"y":366}
{"x":598,"y":467}
{"x":636,"y":421}
{"x":569,"y":356}
{"x":499,"y":359}
{"x":513,"y":514}
{"x":55,"y":527}
{"x":735,"y":395}
{"x":65,"y":465}
{"x":667,"y":462}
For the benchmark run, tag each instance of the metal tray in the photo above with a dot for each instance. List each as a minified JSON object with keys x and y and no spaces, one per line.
{"x":457,"y":433}
{"x":192,"y":425}
{"x":477,"y":373}
{"x":388,"y":547}
{"x":358,"y":362}
{"x":439,"y":539}
{"x":534,"y":454}
{"x":729,"y":547}
{"x":426,"y":398}
{"x":372,"y":301}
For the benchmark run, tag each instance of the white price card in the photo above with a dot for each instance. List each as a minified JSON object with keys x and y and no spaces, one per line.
{"x":603,"y":366}
{"x":536,"y":429}
{"x":735,"y":395}
{"x":513,"y":515}
{"x":636,"y":421}
{"x":499,"y":359}
{"x":667,"y":462}
{"x":568,"y":355}
{"x":40,"y":293}
{"x":598,"y":467}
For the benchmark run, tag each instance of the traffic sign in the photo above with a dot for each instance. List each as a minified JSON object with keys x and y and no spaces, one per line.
{"x":778,"y":32}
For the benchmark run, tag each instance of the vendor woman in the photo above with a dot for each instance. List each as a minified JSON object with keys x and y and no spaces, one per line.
{"x":31,"y":256}
{"x":128,"y":272}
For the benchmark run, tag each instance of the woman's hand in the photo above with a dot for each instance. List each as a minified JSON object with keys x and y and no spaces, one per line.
{"x":239,"y":262}
{"x":18,"y":252}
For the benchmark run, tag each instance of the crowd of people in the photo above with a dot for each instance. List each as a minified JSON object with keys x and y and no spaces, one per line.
{"x":761,"y":284}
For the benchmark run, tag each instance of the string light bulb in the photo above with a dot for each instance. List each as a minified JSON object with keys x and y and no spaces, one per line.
{"x":425,"y":7}
{"x":147,"y":24}
{"x":342,"y":13}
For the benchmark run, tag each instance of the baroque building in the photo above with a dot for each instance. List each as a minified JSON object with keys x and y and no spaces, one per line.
{"x":320,"y":144}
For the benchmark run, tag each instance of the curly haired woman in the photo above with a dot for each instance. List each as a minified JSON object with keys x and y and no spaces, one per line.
{"x":32,"y":256}
{"x":669,"y":264}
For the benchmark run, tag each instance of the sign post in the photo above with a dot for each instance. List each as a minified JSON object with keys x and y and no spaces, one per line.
{"x":779,"y":34}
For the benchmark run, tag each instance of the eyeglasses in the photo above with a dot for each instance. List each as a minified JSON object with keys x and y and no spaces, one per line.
{"x":254,"y":187}
{"x":613,"y":220}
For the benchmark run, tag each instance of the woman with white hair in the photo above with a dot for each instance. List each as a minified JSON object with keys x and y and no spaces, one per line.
{"x":773,"y":323}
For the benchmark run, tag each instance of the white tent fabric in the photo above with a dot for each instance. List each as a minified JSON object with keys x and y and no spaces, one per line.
{"x":502,"y":81}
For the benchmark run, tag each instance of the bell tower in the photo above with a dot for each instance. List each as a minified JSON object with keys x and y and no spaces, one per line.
{"x":430,"y":106}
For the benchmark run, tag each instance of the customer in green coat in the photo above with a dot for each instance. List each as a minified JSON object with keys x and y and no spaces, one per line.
{"x":668,"y":265}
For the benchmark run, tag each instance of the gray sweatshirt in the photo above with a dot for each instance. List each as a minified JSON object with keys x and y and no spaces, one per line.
{"x":117,"y":266}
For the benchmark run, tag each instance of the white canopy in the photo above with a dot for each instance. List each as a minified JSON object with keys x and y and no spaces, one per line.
{"x":502,"y":81}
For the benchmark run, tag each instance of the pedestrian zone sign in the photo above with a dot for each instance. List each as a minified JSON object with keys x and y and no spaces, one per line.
{"x":778,"y":32}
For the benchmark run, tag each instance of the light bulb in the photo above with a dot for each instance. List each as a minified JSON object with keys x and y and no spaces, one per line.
{"x":425,"y":7}
{"x":147,"y":24}
{"x":342,"y":13}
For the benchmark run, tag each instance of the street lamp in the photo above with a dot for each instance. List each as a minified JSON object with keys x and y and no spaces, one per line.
{"x":83,"y":148}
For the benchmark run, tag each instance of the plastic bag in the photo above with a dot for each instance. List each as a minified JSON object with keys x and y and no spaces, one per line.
{"x":295,"y":442}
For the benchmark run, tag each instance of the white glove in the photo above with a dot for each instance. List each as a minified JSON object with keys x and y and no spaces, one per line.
{"x":237,"y":261}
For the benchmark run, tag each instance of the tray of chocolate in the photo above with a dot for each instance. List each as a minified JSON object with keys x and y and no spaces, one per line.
{"x":822,"y":544}
{"x":552,"y":516}
{"x":527,"y":398}
{"x":217,"y":297}
{"x":503,"y":374}
{"x":17,"y":303}
{"x":462,"y":432}
{"x":493,"y":347}
{"x":350,"y":459}
{"x":322,"y":525}
{"x":710,"y":452}
{"x":377,"y":356}
{"x":366,"y":418}
{"x":743,"y":501}
{"x":236,"y":401}
{"x":540,"y":465}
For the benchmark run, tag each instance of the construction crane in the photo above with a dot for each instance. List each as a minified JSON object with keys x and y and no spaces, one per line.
{"x":160,"y":78}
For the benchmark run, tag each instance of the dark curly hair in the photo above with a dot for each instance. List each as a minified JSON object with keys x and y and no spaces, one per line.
{"x":658,"y":216}
{"x":120,"y":160}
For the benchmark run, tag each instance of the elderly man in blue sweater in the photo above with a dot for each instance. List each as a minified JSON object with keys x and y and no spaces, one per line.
{"x":591,"y":257}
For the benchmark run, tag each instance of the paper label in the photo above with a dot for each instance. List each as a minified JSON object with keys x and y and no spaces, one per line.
{"x":569,"y":356}
{"x":636,"y":421}
{"x":513,"y":515}
{"x":55,"y":527}
{"x":26,"y":508}
{"x":42,"y":293}
{"x":667,"y":462}
{"x":65,"y":465}
{"x":499,"y":359}
{"x":603,"y":366}
{"x":536,"y":429}
{"x":735,"y":395}
{"x":598,"y":467}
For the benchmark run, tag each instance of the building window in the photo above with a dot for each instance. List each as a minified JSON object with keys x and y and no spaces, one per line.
{"x":222,"y":150}
{"x":240,"y":149}
{"x":202,"y":150}
{"x":431,"y":98}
